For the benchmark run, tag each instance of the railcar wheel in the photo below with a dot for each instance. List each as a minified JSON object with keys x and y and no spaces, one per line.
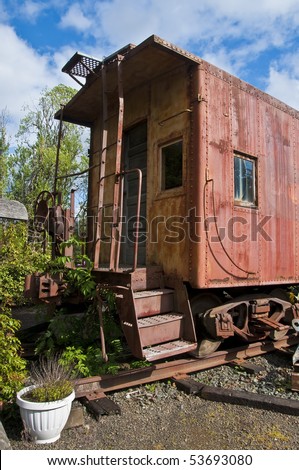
{"x":199,"y":305}
{"x":205,"y":347}
{"x":283,"y":295}
{"x":277,"y":335}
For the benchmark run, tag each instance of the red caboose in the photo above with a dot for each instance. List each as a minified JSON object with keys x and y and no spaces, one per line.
{"x":192,"y":198}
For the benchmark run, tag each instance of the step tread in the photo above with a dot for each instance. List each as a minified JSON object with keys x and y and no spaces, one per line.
{"x":152,"y":293}
{"x":159,"y":319}
{"x":167,"y":349}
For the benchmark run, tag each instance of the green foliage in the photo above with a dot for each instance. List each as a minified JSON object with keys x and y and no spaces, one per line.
{"x":33,"y":162}
{"x":51,"y":380}
{"x":89,"y":361}
{"x":77,"y":336}
{"x":69,"y":330}
{"x":17,"y":259}
{"x":293,"y":294}
{"x":86,"y":361}
{"x":151,"y":387}
{"x":139,"y":364}
{"x":49,"y":392}
{"x":12,"y":367}
{"x":79,"y":280}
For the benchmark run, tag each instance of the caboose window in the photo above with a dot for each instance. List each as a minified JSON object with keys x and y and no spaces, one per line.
{"x":244,"y":181}
{"x":172,"y":165}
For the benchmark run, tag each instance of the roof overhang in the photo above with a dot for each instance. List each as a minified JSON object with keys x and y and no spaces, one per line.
{"x":140,"y":64}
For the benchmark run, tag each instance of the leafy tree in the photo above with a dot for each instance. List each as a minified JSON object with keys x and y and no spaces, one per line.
{"x":33,"y":162}
{"x":3,"y":153}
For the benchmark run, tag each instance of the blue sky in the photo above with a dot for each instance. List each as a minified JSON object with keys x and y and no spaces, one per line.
{"x":257,"y":40}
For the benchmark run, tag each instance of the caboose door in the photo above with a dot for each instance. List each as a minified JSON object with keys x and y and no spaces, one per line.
{"x":135,"y":156}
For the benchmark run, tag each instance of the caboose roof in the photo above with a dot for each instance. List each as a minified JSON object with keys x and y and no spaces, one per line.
{"x":147,"y":61}
{"x":151,"y":58}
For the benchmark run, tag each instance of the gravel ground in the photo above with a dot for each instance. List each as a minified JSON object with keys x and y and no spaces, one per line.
{"x":159,"y":416}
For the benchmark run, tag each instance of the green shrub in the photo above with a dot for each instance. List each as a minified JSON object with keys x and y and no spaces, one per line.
{"x":17,"y":258}
{"x":12,"y":367}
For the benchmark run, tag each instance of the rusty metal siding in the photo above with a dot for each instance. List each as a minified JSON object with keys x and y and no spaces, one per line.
{"x":245,"y":139}
{"x":228,"y":245}
{"x":295,"y":139}
{"x":218,"y":184}
{"x":241,"y":245}
{"x":277,"y":196}
{"x":169,"y":121}
{"x":163,"y":101}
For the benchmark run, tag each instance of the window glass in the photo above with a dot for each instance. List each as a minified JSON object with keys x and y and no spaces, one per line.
{"x":244,"y":180}
{"x":172,"y":165}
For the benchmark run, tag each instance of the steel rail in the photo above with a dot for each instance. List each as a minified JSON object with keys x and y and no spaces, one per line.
{"x":166,"y":370}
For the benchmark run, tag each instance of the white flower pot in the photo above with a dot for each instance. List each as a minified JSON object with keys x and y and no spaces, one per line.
{"x":44,"y":421}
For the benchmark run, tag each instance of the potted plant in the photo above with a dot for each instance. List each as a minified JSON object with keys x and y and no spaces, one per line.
{"x":45,"y":405}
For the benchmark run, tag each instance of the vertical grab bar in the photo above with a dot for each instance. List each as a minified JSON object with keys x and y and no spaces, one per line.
{"x":135,"y":258}
{"x":120,"y":214}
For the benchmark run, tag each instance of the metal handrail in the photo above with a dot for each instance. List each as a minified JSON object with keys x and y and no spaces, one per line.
{"x":123,"y":173}
{"x":120,"y":206}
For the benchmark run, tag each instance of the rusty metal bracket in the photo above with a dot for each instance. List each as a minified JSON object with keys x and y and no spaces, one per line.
{"x":44,"y":287}
{"x":224,"y":325}
{"x":272,"y":324}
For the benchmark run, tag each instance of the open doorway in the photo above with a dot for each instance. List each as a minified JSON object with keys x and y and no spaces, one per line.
{"x":135,"y":156}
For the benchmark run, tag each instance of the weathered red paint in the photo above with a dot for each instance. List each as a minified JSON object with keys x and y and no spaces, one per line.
{"x":234,"y":116}
{"x":200,"y":233}
{"x":219,"y":114}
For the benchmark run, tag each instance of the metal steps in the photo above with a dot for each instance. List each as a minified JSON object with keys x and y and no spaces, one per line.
{"x":153,"y":302}
{"x":155,"y":313}
{"x":171,"y":348}
{"x":163,"y":329}
{"x":160,"y":328}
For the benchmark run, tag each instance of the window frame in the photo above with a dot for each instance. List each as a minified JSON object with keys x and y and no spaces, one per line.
{"x":243,"y":202}
{"x":163,"y":189}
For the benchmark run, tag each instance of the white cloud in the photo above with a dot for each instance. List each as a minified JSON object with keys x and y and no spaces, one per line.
{"x":75,"y":18}
{"x":207,"y":21}
{"x":31,"y":10}
{"x":230,"y":36}
{"x":23,"y":75}
{"x":284,"y":86}
{"x":283,"y":79}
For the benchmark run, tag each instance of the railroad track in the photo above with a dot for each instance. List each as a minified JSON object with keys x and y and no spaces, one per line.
{"x":91,"y":391}
{"x":99,"y":385}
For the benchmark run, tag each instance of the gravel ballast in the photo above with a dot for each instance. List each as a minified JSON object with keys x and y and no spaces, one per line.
{"x":159,"y":416}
